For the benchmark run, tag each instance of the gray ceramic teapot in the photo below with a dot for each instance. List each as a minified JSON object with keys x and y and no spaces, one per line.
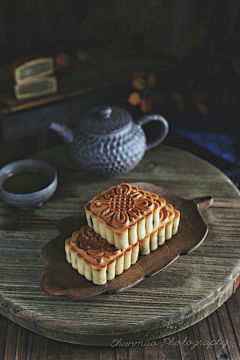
{"x":107,"y":142}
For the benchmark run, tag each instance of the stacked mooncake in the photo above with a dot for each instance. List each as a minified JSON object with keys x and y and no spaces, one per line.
{"x":95,"y":258}
{"x":122,"y":222}
{"x":34,"y":76}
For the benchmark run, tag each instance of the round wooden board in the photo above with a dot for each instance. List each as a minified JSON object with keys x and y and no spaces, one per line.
{"x":185,"y":292}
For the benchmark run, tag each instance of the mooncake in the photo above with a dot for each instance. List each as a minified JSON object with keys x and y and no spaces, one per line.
{"x":167,"y":227}
{"x":30,"y":67}
{"x":95,"y":258}
{"x":124,"y":215}
{"x":36,"y":87}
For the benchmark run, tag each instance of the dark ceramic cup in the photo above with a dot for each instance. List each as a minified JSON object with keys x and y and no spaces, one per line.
{"x":31,"y":199}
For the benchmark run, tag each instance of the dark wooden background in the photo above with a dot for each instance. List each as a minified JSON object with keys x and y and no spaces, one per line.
{"x":172,"y":27}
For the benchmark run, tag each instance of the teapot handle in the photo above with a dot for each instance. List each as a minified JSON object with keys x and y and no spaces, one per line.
{"x":163,"y":133}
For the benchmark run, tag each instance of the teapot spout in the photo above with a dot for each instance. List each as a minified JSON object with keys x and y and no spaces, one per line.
{"x":65,"y":133}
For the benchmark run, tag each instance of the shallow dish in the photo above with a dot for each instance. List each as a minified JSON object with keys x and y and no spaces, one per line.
{"x":59,"y":277}
{"x":32,"y":199}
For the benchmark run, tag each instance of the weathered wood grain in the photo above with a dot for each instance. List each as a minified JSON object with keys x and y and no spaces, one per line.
{"x":3,"y":335}
{"x":21,"y":345}
{"x":228,"y":332}
{"x":10,"y":346}
{"x":221,"y":350}
{"x":186,"y":339}
{"x":233,"y":307}
{"x":197,"y":339}
{"x":180,"y":296}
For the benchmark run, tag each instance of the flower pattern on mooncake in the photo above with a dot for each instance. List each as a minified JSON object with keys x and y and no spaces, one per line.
{"x":124,"y":214}
{"x":122,"y":205}
{"x":95,"y":258}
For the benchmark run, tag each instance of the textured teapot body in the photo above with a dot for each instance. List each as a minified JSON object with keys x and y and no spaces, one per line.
{"x":107,"y":142}
{"x":109,"y":155}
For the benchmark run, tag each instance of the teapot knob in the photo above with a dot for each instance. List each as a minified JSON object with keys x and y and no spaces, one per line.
{"x":106,"y":112}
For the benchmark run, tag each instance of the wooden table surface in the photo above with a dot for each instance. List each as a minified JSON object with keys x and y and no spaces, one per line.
{"x":196,"y":284}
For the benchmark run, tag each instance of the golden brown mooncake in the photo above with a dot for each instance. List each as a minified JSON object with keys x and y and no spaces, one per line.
{"x":95,"y":258}
{"x":124,"y":215}
{"x":169,"y":219}
{"x":37,"y":87}
{"x":30,"y":67}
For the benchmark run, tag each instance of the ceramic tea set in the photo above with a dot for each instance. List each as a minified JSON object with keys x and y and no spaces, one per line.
{"x":107,"y":142}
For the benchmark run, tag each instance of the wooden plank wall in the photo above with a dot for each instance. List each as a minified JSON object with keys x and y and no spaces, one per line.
{"x":220,"y":334}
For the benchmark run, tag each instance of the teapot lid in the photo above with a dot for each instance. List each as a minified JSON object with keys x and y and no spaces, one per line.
{"x":105,"y":119}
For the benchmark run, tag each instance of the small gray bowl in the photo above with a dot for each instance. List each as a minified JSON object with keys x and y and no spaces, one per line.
{"x":34,"y":199}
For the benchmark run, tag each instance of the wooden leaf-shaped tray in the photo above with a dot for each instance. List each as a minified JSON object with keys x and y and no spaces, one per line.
{"x":59,"y":278}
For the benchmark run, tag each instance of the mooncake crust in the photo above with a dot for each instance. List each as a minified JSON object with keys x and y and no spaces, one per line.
{"x":124,"y":214}
{"x":95,"y":258}
{"x":122,"y":205}
{"x":92,"y":246}
{"x":100,"y":261}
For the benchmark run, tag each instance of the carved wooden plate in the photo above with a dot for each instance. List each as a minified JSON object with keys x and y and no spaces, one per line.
{"x":59,"y":278}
